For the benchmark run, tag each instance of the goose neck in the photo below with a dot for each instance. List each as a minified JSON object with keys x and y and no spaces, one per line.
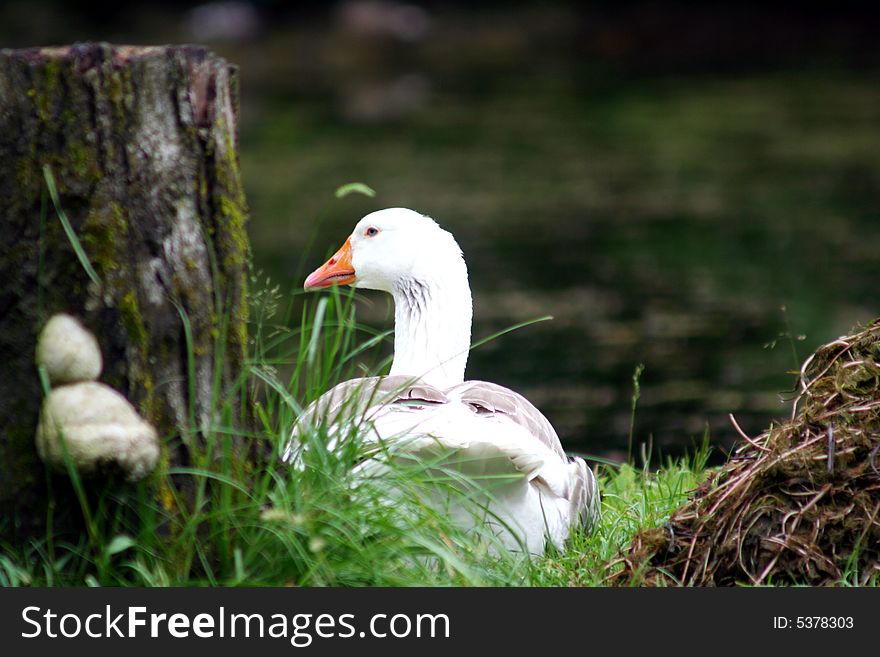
{"x":432,"y":329}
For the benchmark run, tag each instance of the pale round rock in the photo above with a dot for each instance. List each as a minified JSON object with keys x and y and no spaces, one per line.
{"x":68,"y":351}
{"x":99,"y":427}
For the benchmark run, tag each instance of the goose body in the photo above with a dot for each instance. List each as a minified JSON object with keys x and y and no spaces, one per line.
{"x":425,"y":409}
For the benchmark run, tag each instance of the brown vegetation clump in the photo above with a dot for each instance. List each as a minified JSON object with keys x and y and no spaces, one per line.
{"x":800,"y":504}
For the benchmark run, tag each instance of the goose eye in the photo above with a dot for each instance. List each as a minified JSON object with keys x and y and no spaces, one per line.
{"x":372,"y":231}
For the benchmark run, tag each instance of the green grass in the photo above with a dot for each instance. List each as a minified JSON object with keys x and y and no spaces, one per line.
{"x":632,"y":499}
{"x":319,"y":525}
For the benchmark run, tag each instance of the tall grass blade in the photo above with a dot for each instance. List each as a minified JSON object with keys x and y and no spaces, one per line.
{"x":354,"y":188}
{"x":510,"y":329}
{"x":637,"y":392}
{"x":68,"y":229}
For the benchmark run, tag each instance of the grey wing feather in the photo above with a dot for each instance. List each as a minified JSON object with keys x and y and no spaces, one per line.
{"x":584,"y":496}
{"x":352,"y":399}
{"x":493,"y":398}
{"x":498,"y":399}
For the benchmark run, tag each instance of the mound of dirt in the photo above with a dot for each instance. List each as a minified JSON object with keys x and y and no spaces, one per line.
{"x":800,"y":504}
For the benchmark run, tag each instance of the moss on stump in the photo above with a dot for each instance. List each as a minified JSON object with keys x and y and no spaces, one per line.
{"x":141,"y":142}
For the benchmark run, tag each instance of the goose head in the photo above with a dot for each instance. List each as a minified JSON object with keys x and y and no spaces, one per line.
{"x":387,"y":249}
{"x":409,"y":256}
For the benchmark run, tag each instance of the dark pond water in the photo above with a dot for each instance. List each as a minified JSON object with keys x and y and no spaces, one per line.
{"x":715,"y":228}
{"x":664,"y":183}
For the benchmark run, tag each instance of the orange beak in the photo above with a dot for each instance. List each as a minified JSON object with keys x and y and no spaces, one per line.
{"x":338,"y":270}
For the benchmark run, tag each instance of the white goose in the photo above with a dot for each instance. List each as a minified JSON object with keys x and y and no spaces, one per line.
{"x":425,"y":404}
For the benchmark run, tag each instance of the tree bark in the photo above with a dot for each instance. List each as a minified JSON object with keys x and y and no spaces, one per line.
{"x":142,"y":144}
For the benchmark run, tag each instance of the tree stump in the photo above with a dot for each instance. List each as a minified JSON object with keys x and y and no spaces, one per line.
{"x":142,"y":145}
